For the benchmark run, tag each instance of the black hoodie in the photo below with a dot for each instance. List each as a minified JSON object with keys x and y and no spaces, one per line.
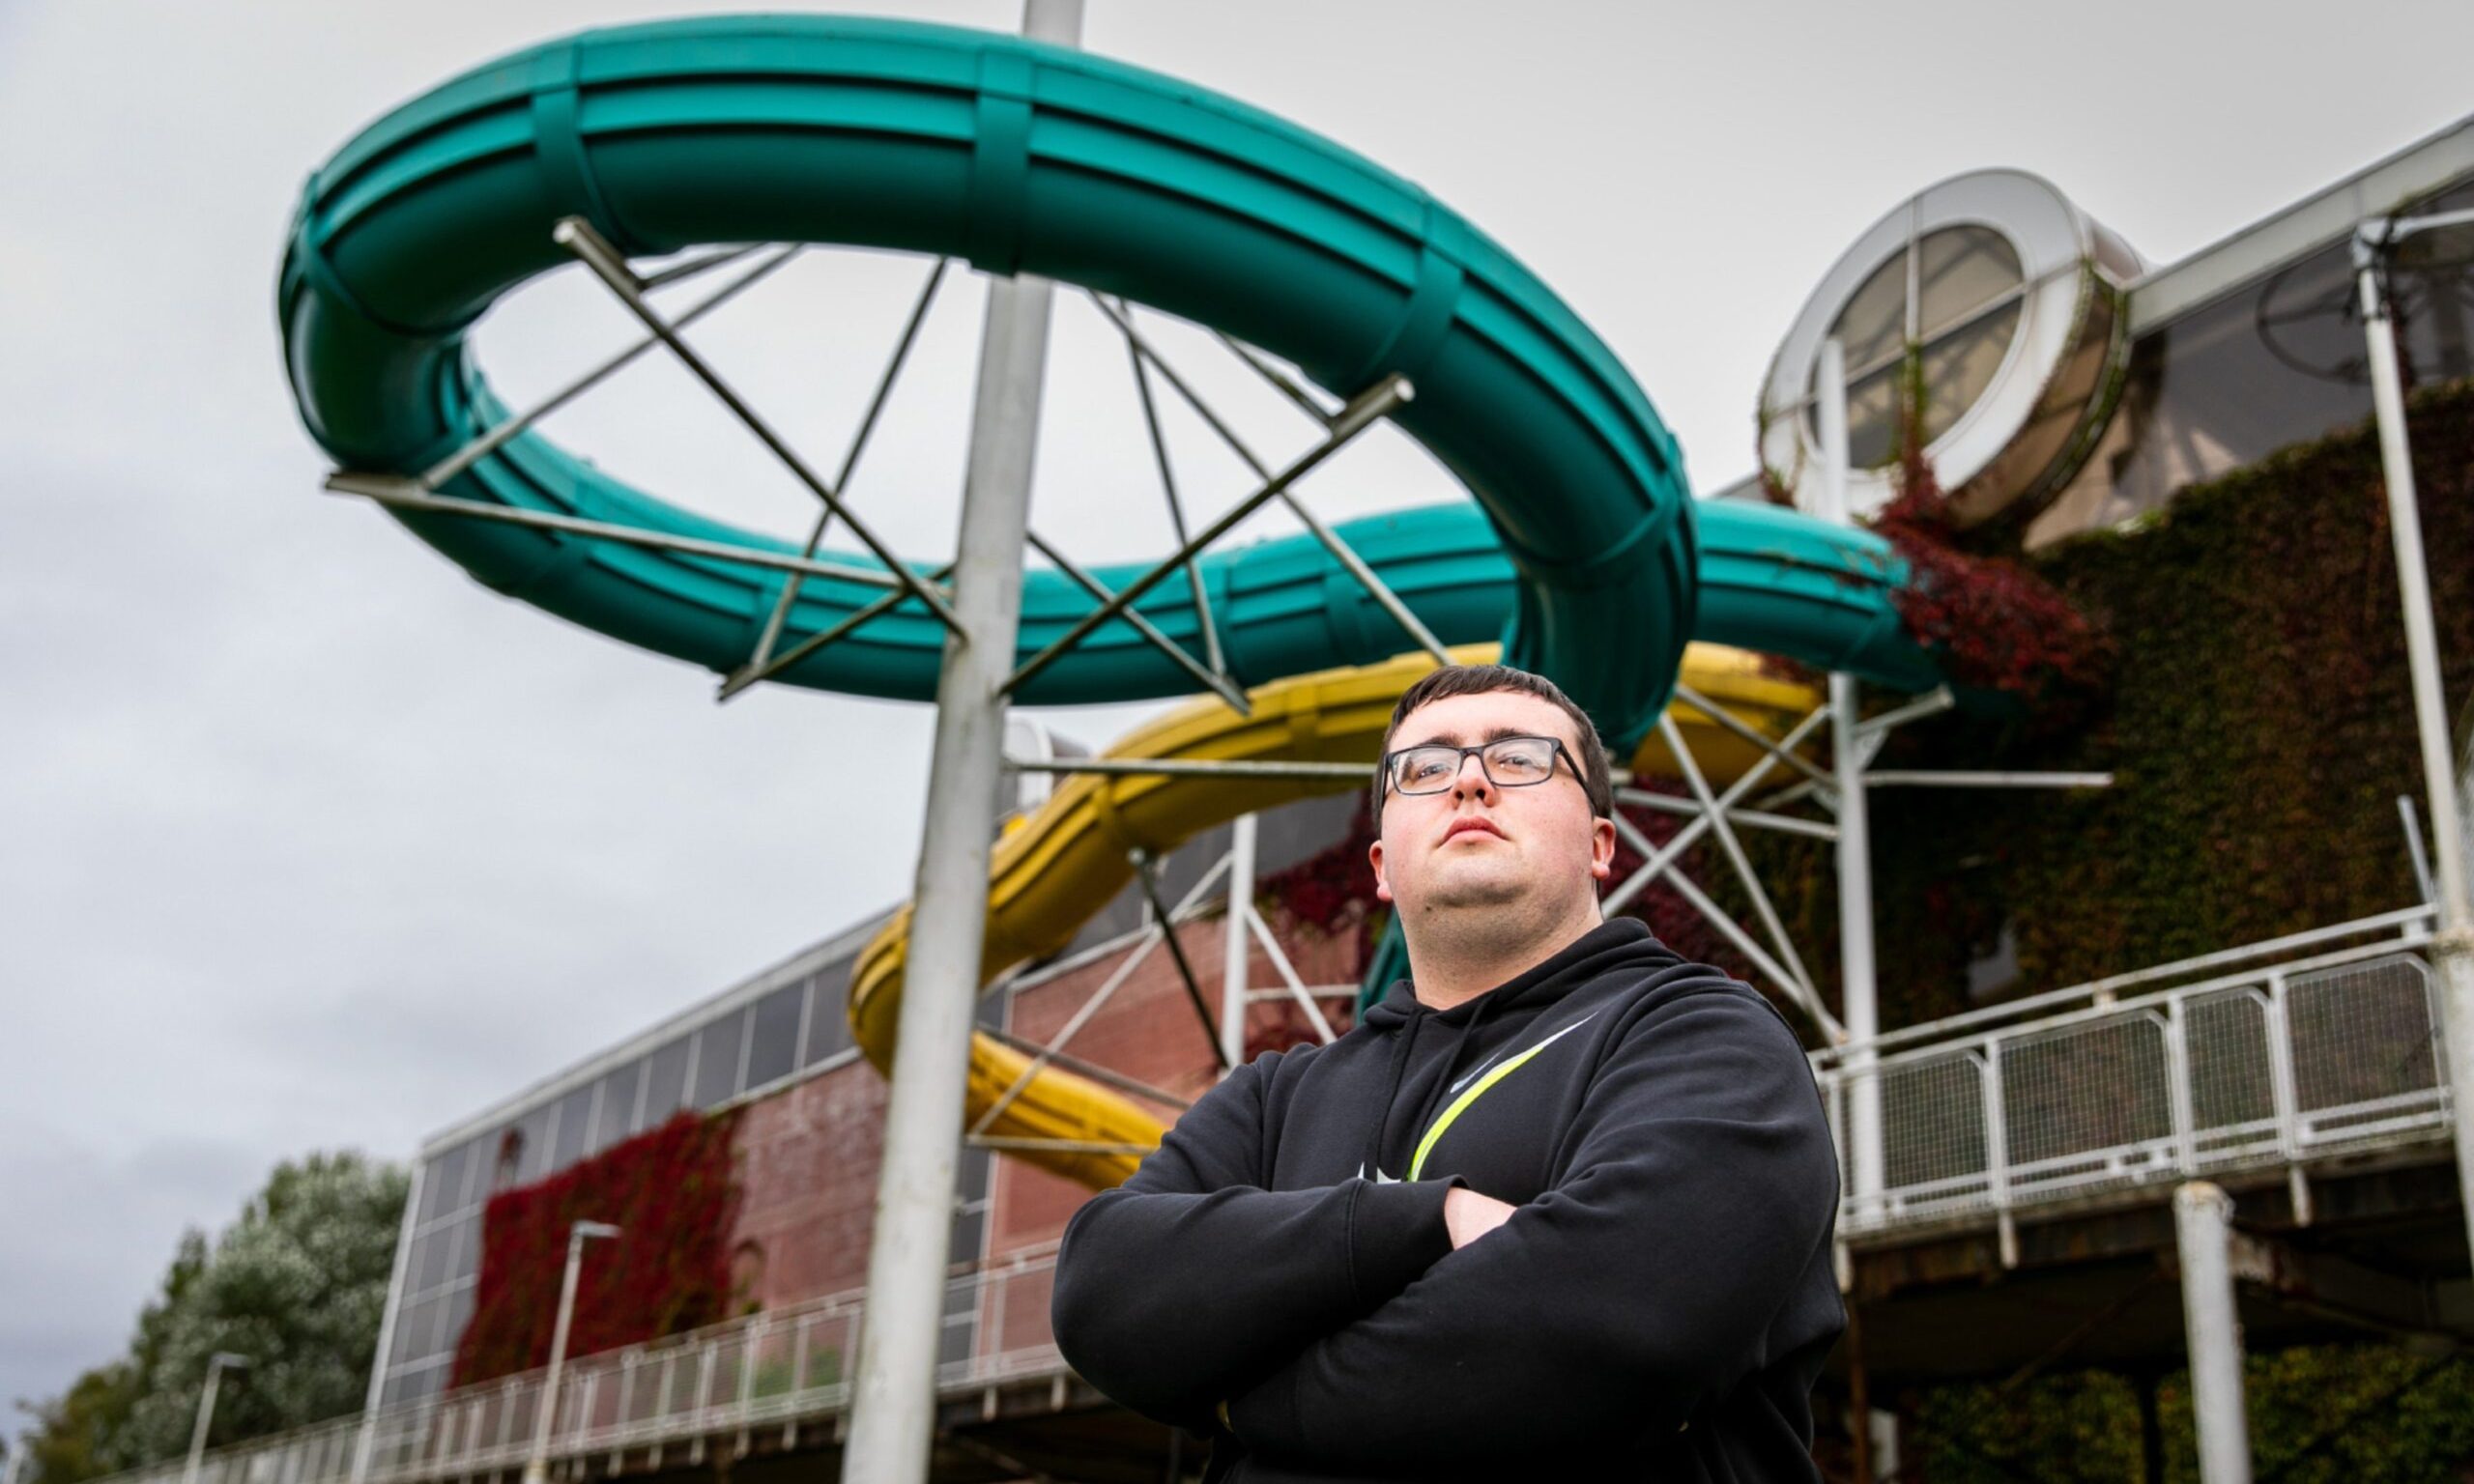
{"x":1656,"y":1308}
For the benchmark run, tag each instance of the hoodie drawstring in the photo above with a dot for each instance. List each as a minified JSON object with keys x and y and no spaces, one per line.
{"x":1372,"y":1167}
{"x":1407,"y":1041}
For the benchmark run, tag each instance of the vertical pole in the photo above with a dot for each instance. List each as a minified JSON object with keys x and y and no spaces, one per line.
{"x":536,"y":1467}
{"x":894,"y":1394}
{"x":205,"y":1413}
{"x":1233,"y":977}
{"x":2202,"y":1232}
{"x":2453,"y":948}
{"x":1858,"y":1000}
{"x":368,"y":1431}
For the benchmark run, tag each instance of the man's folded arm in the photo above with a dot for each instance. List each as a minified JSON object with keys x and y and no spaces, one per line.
{"x":1190,"y":1281}
{"x":1702,"y":1187}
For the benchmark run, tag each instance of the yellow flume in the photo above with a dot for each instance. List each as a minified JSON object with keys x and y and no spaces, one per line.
{"x":1070,"y":858}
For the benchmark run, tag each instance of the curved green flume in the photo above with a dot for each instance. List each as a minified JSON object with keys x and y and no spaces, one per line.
{"x":1584,"y":550}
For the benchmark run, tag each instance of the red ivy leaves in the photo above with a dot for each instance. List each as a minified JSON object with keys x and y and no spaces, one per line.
{"x":673,"y":1193}
{"x":1333,"y":888}
{"x":1995,"y":625}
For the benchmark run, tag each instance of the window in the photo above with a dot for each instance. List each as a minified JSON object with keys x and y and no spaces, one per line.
{"x":665,"y":1082}
{"x":533,"y":1152}
{"x":459,"y":1313}
{"x":828,"y":1015}
{"x":466,"y":1258}
{"x":773,"y":1044}
{"x":1962,"y":317}
{"x":412,"y":1327}
{"x":430,"y":1252}
{"x":443,"y":1184}
{"x":567,"y":1135}
{"x":719,"y":1046}
{"x":614,"y":1115}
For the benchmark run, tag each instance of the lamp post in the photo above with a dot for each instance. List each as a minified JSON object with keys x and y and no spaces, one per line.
{"x":2453,"y":943}
{"x":222,"y":1360}
{"x":536,"y":1468}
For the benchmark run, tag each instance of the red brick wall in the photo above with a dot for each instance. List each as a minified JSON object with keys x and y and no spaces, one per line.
{"x":1147,"y":1031}
{"x":808,"y":1162}
{"x":809,"y":1156}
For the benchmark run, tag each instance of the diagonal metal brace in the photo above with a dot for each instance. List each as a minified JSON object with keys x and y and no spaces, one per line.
{"x":1150,"y":882}
{"x":487,"y":444}
{"x":1218,"y":683}
{"x":1382,"y":398}
{"x":400,"y":494}
{"x":781,"y":613}
{"x":596,"y":253}
{"x":747,"y":675}
{"x":1122,"y":315}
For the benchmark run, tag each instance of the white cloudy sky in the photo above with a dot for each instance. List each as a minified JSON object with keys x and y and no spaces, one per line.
{"x":306,"y":840}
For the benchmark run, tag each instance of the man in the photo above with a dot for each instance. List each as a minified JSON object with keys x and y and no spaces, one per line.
{"x":1561,"y":1208}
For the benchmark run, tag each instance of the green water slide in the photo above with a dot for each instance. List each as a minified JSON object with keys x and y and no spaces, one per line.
{"x":1583,"y":551}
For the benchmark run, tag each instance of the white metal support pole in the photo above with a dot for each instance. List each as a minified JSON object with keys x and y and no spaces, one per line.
{"x":366,"y":1435}
{"x":1858,"y":1004}
{"x":536,"y":1467}
{"x":215,"y":1365}
{"x":1240,"y":907}
{"x":2203,"y":1233}
{"x":893,"y":1407}
{"x":2453,"y":947}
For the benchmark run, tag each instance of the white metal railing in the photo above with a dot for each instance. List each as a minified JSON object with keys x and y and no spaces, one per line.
{"x":2272,"y":1064}
{"x":772,"y":1368}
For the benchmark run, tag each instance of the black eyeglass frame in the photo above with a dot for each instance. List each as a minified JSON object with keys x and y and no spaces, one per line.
{"x":1555,"y":749}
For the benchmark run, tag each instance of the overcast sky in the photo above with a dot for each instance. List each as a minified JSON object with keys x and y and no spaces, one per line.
{"x":306,"y":840}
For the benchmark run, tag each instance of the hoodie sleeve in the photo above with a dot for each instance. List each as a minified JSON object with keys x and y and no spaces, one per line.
{"x":1190,"y":1282}
{"x":1702,"y":1186}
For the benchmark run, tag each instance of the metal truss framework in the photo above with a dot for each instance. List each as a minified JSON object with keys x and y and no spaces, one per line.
{"x":768,"y":660}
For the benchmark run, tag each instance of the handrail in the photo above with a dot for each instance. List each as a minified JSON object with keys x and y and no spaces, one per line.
{"x":2102,"y":990}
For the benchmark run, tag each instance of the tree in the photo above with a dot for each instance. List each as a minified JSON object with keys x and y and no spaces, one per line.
{"x":297,"y":1284}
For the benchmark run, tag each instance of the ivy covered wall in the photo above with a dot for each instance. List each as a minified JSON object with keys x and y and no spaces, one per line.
{"x":673,"y":1191}
{"x":2258,"y":720}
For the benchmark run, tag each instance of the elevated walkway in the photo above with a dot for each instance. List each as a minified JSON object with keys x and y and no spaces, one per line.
{"x":2017,"y":1215}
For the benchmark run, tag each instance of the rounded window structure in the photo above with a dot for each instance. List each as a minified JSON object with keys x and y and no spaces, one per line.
{"x":1985,"y":314}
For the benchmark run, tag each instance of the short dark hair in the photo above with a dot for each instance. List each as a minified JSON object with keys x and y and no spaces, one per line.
{"x":1450,"y":680}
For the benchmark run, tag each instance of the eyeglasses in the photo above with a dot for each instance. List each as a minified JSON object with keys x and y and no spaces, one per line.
{"x":1508,"y":762}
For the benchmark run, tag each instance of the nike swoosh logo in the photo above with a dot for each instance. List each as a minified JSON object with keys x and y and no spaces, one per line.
{"x":1379,"y":1178}
{"x":1464,"y":1077}
{"x":1471,"y":1074}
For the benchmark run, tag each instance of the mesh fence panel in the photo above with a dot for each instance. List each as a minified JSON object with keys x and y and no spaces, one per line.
{"x":2364,"y":1045}
{"x":2233,"y":1101}
{"x":1933,"y":1135}
{"x":2085,"y":1103}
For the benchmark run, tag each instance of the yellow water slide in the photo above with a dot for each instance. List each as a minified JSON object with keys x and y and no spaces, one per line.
{"x":1069,"y":859}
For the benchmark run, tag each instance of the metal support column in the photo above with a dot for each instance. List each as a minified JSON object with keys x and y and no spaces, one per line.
{"x":1240,"y":907}
{"x":2453,"y":947}
{"x":366,"y":1435}
{"x":1858,"y":1004}
{"x":2203,"y":1234}
{"x":894,"y":1394}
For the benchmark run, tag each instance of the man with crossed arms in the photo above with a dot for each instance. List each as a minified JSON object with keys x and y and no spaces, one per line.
{"x":1561,"y":1206}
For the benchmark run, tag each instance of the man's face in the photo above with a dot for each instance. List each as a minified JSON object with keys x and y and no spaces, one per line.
{"x":1477,"y":844}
